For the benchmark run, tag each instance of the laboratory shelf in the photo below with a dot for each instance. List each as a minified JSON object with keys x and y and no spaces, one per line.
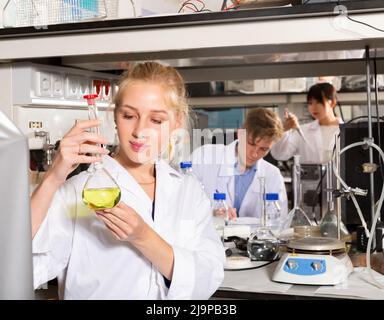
{"x":244,"y":32}
{"x":274,"y":99}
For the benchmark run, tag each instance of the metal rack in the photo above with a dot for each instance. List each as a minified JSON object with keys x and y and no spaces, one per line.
{"x":41,"y":13}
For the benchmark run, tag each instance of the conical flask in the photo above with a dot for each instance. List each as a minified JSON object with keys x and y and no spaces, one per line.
{"x":297,"y":216}
{"x":328,"y":224}
{"x":100,"y":190}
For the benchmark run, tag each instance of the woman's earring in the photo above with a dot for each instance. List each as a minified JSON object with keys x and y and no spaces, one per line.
{"x":171,"y":148}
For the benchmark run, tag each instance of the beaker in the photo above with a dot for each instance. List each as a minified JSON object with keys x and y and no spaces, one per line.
{"x":100,"y":191}
{"x":297,"y":216}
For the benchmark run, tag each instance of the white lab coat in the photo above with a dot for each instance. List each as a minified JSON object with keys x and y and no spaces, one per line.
{"x":313,"y":152}
{"x":214,"y":166}
{"x":73,"y":245}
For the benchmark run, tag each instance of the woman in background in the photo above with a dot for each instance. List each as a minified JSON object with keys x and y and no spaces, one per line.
{"x":314,"y":141}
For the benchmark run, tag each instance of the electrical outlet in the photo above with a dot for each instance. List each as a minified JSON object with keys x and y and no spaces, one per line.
{"x":35,"y":124}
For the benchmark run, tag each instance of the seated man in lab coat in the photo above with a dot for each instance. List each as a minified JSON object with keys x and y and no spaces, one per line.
{"x":234,"y":169}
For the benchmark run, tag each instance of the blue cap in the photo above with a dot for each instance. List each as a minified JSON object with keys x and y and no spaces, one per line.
{"x":187,"y":164}
{"x":272,"y":196}
{"x":219,"y":196}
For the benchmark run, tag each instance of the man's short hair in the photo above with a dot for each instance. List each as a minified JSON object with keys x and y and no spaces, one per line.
{"x":263,"y":123}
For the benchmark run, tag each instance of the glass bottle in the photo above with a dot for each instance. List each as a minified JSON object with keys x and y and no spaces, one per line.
{"x":262,"y":244}
{"x":186,"y":169}
{"x":100,"y":191}
{"x":297,"y":216}
{"x":273,"y":211}
{"x":220,"y":213}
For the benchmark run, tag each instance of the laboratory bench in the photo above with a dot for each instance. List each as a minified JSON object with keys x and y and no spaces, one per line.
{"x":257,"y":284}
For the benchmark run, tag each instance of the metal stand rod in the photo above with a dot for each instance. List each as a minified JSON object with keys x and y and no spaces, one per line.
{"x":370,"y":136}
{"x":329,"y":184}
{"x":296,"y":181}
{"x":338,"y":186}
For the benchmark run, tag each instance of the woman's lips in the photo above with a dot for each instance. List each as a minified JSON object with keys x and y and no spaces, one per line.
{"x":136,"y":146}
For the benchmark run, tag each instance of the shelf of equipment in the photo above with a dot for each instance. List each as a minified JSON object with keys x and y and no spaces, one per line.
{"x":274,"y":100}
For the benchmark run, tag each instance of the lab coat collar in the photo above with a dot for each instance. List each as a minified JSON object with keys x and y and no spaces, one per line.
{"x":314,"y":125}
{"x":260,"y":172}
{"x":166,"y":186}
{"x":227,"y":167}
{"x":162,"y":166}
{"x":125,"y":180}
{"x":114,"y":167}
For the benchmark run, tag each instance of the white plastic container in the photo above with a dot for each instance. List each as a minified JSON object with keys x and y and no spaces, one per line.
{"x":293,"y":84}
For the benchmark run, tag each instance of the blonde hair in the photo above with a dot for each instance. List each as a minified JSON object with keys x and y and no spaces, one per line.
{"x":167,"y":77}
{"x":263,"y":123}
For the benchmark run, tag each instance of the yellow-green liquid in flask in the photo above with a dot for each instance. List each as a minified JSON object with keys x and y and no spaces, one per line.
{"x":102,"y":198}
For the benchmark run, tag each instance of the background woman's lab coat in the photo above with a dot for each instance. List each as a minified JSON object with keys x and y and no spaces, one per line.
{"x":214,"y":165}
{"x":312,"y":152}
{"x":73,"y":245}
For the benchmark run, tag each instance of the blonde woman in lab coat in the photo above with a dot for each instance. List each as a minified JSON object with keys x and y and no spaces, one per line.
{"x":314,"y":141}
{"x":159,"y":241}
{"x":235,"y":169}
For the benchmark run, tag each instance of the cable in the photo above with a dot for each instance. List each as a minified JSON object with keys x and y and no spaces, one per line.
{"x":256,"y":267}
{"x":373,"y":228}
{"x":335,"y":171}
{"x":362,"y":117}
{"x":341,"y":111}
{"x":316,"y":194}
{"x":134,"y":8}
{"x":377,"y":212}
{"x":187,"y":3}
{"x":202,"y":2}
{"x":223,"y":6}
{"x":365,"y":24}
{"x":377,"y":114}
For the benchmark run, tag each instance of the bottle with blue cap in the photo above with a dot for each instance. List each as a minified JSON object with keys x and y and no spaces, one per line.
{"x":272,"y":210}
{"x":186,"y":167}
{"x":220,"y":212}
